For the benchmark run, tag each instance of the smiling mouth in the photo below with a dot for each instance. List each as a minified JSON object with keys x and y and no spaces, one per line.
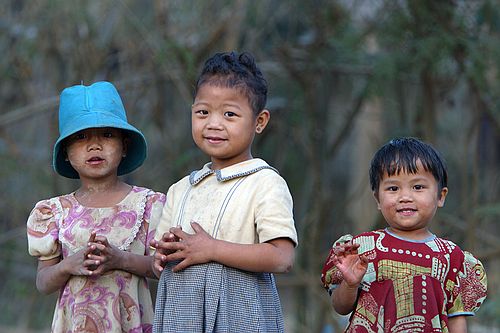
{"x":214,"y":139}
{"x":406,"y":210}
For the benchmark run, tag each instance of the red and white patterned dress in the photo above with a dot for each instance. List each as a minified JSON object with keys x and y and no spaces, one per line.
{"x":411,"y":286}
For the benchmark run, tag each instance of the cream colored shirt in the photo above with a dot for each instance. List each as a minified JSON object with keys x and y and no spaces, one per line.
{"x":245,"y":203}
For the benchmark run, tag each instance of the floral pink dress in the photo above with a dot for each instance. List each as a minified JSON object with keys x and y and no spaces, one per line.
{"x":117,"y":301}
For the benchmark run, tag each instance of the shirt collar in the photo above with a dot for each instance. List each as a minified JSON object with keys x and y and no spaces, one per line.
{"x":242,"y":169}
{"x":425,"y":240}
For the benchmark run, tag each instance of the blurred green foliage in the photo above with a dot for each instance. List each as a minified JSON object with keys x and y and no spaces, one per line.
{"x":344,"y":77}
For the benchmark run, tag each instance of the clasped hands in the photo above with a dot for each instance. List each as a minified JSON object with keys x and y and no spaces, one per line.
{"x":101,"y":256}
{"x":188,"y":249}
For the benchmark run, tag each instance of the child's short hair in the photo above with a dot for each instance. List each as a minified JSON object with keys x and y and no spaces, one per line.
{"x":233,"y":70}
{"x":401,"y":155}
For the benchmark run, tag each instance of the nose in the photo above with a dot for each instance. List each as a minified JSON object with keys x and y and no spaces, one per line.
{"x":94,"y":142}
{"x":214,"y":121}
{"x":405,"y":195}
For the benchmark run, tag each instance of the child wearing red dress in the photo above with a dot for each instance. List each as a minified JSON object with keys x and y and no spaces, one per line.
{"x":404,"y":278}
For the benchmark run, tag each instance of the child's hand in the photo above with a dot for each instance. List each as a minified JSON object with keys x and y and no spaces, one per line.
{"x":160,"y":256}
{"x":89,"y":250}
{"x":191,"y":249}
{"x":106,"y":257}
{"x":352,"y":265}
{"x":79,"y":263}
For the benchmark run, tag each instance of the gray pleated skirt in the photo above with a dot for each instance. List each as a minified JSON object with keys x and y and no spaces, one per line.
{"x":216,"y":298}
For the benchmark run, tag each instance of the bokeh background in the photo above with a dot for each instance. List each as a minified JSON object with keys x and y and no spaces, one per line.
{"x":345,"y":76}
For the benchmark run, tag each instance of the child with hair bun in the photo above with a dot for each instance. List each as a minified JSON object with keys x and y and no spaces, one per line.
{"x":228,"y":226}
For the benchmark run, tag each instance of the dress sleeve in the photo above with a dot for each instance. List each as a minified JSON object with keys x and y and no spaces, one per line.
{"x":165,"y":220}
{"x":155,"y":202}
{"x":274,"y":209}
{"x":331,"y":277}
{"x":470,"y":288}
{"x":43,"y":229}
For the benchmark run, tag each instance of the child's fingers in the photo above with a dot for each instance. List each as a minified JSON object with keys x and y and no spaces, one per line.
{"x":89,"y":266}
{"x":363,"y":259}
{"x":340,"y":250}
{"x":157,"y":267}
{"x":346,"y":249}
{"x":102,"y":240}
{"x":179,"y":233}
{"x":169,"y":237}
{"x":197,"y":228}
{"x":180,"y":266}
{"x":86,"y":272}
{"x":96,"y":248}
{"x":98,"y":258}
{"x":174,"y":256}
{"x":87,"y":251}
{"x":92,"y":237}
{"x":160,"y":257}
{"x":169,"y":246}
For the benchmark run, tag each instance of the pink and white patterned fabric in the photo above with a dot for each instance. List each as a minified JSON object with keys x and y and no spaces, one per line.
{"x":117,"y":301}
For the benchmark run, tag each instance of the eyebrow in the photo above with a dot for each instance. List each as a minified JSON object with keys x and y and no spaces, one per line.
{"x":392,"y":179}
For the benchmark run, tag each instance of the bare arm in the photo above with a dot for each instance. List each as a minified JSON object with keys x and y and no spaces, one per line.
{"x":276,"y":256}
{"x":53,"y":274}
{"x":344,"y":298}
{"x":457,"y":324}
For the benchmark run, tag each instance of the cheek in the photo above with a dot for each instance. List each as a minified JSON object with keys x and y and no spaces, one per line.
{"x":196,"y":128}
{"x":72,"y":153}
{"x":117,"y":150}
{"x":386,"y":201}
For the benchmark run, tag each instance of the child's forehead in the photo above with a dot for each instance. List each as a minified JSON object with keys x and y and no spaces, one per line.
{"x":218,"y":92}
{"x":400,"y":172}
{"x":239,"y":88}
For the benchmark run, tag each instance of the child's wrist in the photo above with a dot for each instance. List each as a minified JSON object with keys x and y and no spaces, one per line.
{"x":349,"y":286}
{"x":122,"y":261}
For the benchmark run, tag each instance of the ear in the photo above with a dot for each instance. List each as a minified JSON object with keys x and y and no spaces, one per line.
{"x":442,"y":196}
{"x":261,"y":120}
{"x":375,"y":196}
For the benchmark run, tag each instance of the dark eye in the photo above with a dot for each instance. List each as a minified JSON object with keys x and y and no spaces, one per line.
{"x":229,"y":114}
{"x":201,"y":112}
{"x":392,"y":188}
{"x":108,"y":134}
{"x":419,"y":187}
{"x":79,"y":136}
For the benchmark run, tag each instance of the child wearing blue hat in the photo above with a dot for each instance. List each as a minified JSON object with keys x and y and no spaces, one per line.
{"x":92,"y":244}
{"x":233,"y":217}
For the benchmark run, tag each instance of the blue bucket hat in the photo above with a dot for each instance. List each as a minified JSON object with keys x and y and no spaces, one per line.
{"x":97,"y":105}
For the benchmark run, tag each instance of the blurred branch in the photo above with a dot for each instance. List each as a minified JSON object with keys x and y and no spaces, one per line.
{"x":28,"y":111}
{"x":12,"y":234}
{"x":349,"y":122}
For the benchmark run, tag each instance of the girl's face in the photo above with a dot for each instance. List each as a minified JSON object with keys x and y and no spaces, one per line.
{"x":96,"y":152}
{"x":408,"y":202}
{"x":224,"y":125}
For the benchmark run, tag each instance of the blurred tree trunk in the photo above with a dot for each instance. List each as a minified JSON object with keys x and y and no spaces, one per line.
{"x":361,"y":206}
